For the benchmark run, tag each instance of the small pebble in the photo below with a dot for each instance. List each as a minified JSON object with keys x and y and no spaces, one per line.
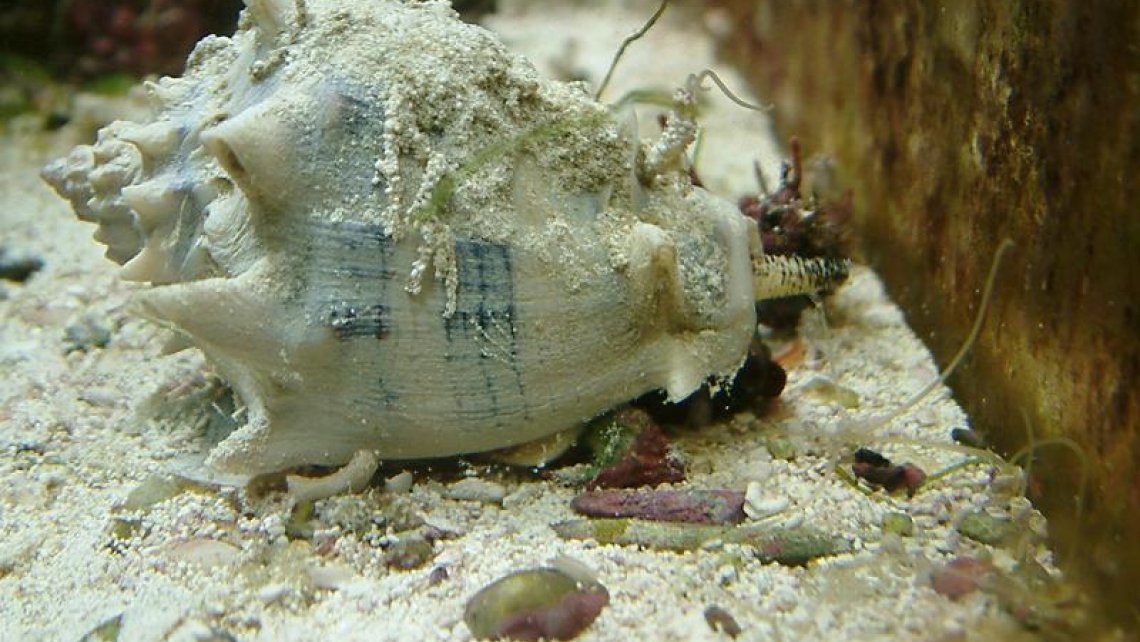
{"x":983,"y":527}
{"x":781,"y":448}
{"x":206,"y":553}
{"x":877,"y":470}
{"x":898,"y":523}
{"x":271,"y":593}
{"x":477,"y":490}
{"x":101,"y":397}
{"x":86,"y":334}
{"x":542,"y":603}
{"x":409,"y":551}
{"x":790,"y":545}
{"x":330,"y":577}
{"x":968,"y":437}
{"x":216,"y":635}
{"x":830,"y":392}
{"x":107,"y":631}
{"x":1020,"y":507}
{"x":123,"y":529}
{"x":759,"y":504}
{"x":17,"y":265}
{"x":692,"y":506}
{"x":721,"y":620}
{"x":891,"y":544}
{"x":152,"y":490}
{"x":632,"y":452}
{"x":400,"y":483}
{"x":438,"y":575}
{"x":960,"y":577}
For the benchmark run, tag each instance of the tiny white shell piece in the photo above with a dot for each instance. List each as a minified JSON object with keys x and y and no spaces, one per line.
{"x":353,"y":477}
{"x":760,"y":504}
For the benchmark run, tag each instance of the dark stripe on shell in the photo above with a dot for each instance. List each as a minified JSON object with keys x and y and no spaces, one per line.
{"x":483,"y":327}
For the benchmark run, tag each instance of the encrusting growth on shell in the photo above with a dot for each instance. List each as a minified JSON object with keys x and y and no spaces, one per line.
{"x":388,"y":233}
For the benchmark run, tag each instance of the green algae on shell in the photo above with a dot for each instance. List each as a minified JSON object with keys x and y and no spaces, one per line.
{"x":545,"y":603}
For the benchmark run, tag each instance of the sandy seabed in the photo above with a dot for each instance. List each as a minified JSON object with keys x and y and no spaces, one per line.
{"x":82,"y":426}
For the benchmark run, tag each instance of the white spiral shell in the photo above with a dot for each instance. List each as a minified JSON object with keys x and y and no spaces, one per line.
{"x":387,"y":232}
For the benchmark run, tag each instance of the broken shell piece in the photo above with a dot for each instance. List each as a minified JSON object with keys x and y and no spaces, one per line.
{"x":759,"y":504}
{"x":987,"y":528}
{"x":275,"y":592}
{"x":207,"y":553}
{"x":107,"y":631}
{"x":878,"y":471}
{"x":719,"y":619}
{"x":388,"y":233}
{"x":633,"y":451}
{"x":152,"y":490}
{"x":399,"y":483}
{"x":352,"y":478}
{"x":961,"y":576}
{"x":331,"y":577}
{"x":543,"y":603}
{"x":407,"y":551}
{"x":792,"y":545}
{"x":898,"y":524}
{"x":539,"y":452}
{"x":691,"y":506}
{"x":477,"y":490}
{"x":829,"y":391}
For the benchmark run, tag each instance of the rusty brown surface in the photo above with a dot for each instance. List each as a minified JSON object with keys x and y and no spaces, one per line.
{"x":960,"y":124}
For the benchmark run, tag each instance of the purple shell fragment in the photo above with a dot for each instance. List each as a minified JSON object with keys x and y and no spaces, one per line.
{"x":691,"y":506}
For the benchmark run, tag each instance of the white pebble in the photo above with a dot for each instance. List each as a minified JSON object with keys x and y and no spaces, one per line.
{"x":400,"y":483}
{"x":477,"y":490}
{"x":760,"y":505}
{"x":271,"y":593}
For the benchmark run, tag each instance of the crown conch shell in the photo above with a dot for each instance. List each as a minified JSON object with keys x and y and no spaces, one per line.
{"x":388,"y":232}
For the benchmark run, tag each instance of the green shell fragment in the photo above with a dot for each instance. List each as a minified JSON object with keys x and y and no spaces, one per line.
{"x":898,"y":523}
{"x":542,"y":603}
{"x":153,"y":490}
{"x":410,"y":550}
{"x":108,"y":631}
{"x":988,"y":529}
{"x":790,"y":546}
{"x":781,"y":448}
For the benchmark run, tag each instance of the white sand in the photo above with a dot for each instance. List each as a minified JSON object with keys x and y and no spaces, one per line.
{"x":76,"y":438}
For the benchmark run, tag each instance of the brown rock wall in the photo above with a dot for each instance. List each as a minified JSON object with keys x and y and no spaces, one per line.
{"x":960,"y":124}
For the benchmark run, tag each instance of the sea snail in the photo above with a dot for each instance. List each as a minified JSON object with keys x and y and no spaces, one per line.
{"x":387,"y":232}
